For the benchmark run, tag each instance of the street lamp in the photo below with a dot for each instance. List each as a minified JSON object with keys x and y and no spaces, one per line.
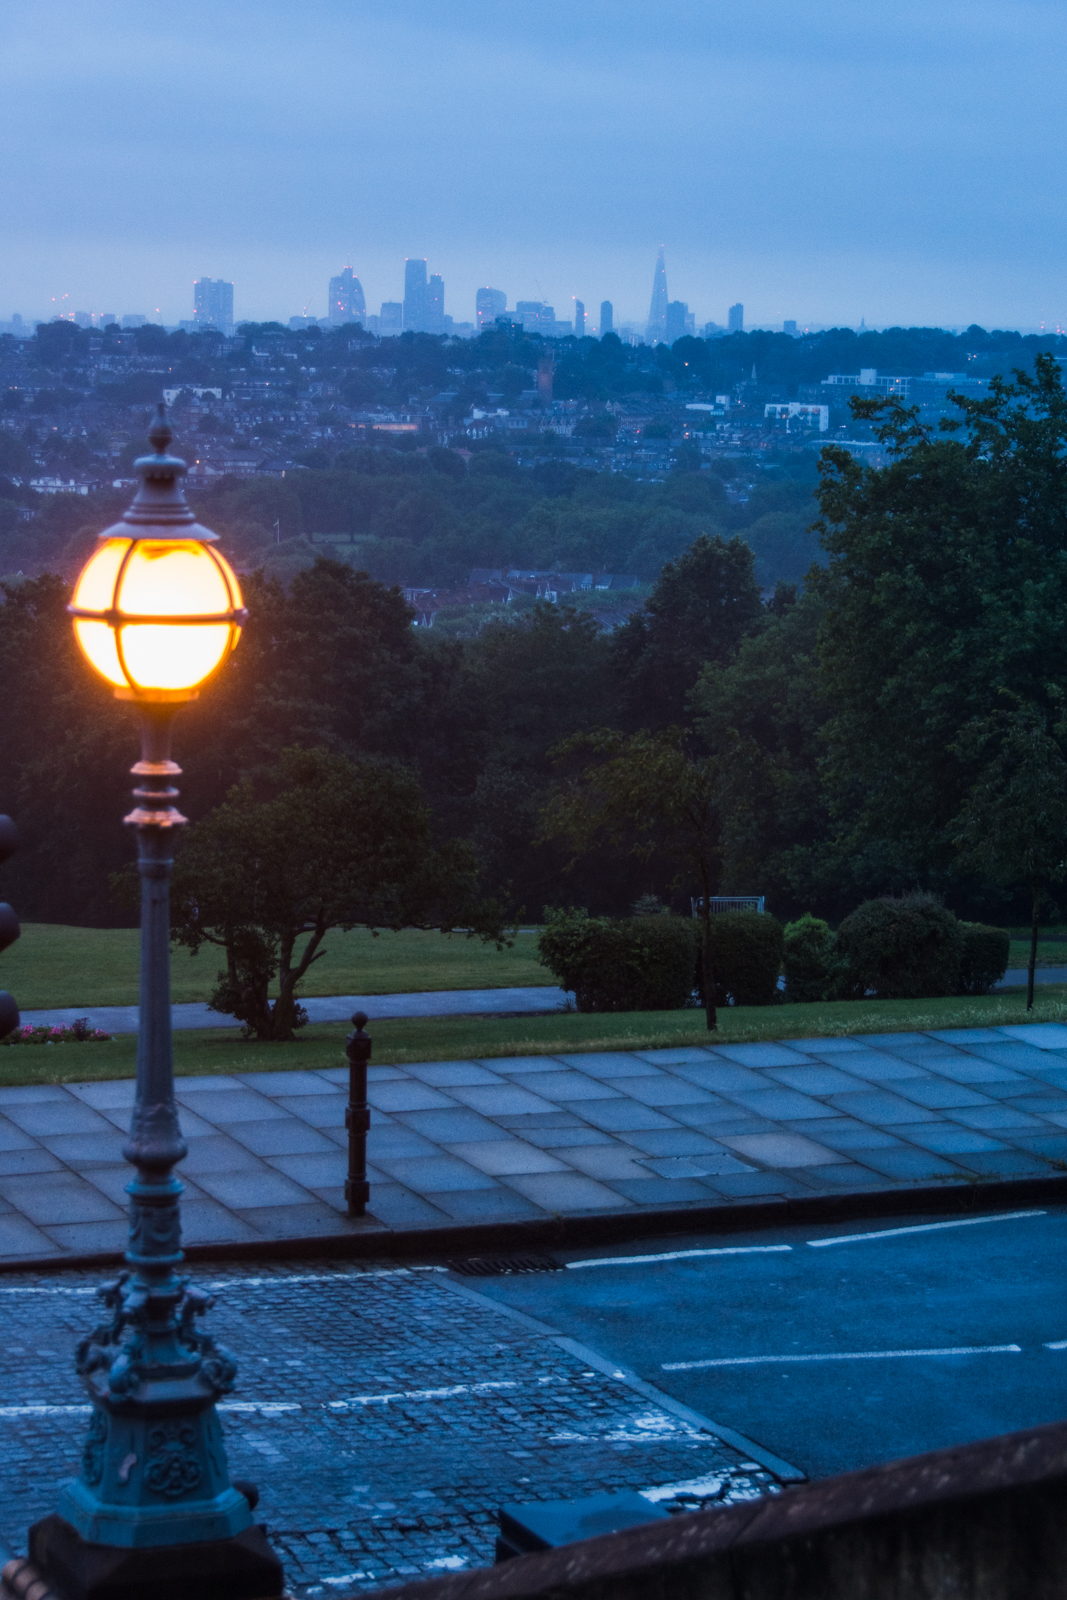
{"x":153,"y":1514}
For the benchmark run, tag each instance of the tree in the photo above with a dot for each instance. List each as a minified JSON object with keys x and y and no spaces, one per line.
{"x":325,"y":843}
{"x":703,"y":605}
{"x":947,"y":583}
{"x":646,"y":792}
{"x":1012,"y":825}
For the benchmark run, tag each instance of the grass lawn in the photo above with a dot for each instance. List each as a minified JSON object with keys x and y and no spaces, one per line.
{"x":222,"y":1050}
{"x":1050,"y":953}
{"x":52,"y":965}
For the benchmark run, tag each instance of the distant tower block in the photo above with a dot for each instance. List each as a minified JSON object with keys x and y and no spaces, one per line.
{"x":607,"y":317}
{"x":544,"y":378}
{"x":488,"y":305}
{"x":415,"y":290}
{"x":579,"y":319}
{"x":346,"y":301}
{"x":735,"y":319}
{"x":213,"y":303}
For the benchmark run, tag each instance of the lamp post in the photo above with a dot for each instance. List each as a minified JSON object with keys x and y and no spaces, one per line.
{"x":153,"y":1513}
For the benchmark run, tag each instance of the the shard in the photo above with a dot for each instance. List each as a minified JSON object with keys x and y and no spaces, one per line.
{"x":657,"y":311}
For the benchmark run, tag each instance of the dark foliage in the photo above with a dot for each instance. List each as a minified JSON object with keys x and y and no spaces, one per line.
{"x":632,"y":964}
{"x":901,"y":948}
{"x":746,"y":952}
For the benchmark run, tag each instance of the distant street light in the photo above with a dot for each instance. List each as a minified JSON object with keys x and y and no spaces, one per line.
{"x":153,"y":1515}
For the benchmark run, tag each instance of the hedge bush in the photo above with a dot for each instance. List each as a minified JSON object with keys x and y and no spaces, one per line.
{"x":629,"y":964}
{"x":983,"y":958}
{"x":746,"y":958}
{"x":903,"y":948}
{"x":810,"y":959}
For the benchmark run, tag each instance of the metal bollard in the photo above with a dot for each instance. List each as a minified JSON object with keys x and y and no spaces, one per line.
{"x":357,"y":1117}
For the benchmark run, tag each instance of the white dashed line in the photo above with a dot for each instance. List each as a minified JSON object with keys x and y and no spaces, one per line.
{"x":923,"y":1227}
{"x":679,"y":1255}
{"x":848,"y":1355}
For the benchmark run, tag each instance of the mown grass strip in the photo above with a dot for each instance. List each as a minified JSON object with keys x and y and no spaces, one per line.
{"x":399,"y":1040}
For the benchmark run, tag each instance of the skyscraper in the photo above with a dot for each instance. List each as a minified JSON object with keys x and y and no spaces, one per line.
{"x":345,"y":300}
{"x":579,"y":319}
{"x":657,"y":311}
{"x":607,"y":317}
{"x":434,"y":320}
{"x":415,"y":287}
{"x":735,"y":319}
{"x":213,"y":303}
{"x":490,"y":304}
{"x":675,"y":321}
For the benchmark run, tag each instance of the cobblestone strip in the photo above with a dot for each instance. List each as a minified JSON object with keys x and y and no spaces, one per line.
{"x":383,"y":1417}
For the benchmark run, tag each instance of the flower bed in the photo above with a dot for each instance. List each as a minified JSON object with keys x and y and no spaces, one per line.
{"x":79,"y":1032}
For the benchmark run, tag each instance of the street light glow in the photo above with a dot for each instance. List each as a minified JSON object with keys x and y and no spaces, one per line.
{"x":127,"y":584}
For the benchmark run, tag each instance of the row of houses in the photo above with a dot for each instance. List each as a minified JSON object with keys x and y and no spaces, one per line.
{"x":500,"y":586}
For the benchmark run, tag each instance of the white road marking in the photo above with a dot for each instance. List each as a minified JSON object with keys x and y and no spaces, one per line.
{"x":848,"y":1355}
{"x":1058,"y":1344}
{"x":923,"y":1227}
{"x":705,"y":1487}
{"x":45,"y":1411}
{"x":679,"y":1255}
{"x":277,"y":1281}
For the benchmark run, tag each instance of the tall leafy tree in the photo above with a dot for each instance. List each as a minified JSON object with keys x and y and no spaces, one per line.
{"x":1012,"y":826}
{"x":322,"y":843}
{"x":947,"y":583}
{"x":703,"y":605}
{"x":652,"y":794}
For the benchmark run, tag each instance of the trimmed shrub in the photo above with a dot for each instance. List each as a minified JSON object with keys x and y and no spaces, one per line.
{"x":903,"y":948}
{"x":983,"y":958}
{"x":810,"y":959}
{"x":631,"y":964}
{"x":746,"y":957}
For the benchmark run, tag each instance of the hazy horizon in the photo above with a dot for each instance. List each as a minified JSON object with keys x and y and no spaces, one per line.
{"x":825,"y":166}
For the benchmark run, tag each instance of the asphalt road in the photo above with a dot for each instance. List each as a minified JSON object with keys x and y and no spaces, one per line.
{"x":833,"y":1355}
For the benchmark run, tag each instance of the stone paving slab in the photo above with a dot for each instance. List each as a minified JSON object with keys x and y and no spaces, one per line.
{"x":533,"y":1138}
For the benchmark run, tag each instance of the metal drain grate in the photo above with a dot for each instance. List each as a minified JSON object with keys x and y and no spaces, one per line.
{"x":502,"y":1266}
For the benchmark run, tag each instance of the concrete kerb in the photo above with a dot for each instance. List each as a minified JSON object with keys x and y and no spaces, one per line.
{"x":985,"y":1520}
{"x":370,"y":1242}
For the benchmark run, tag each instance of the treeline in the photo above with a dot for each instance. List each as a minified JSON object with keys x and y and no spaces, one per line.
{"x":425,"y":518}
{"x":900,"y":724}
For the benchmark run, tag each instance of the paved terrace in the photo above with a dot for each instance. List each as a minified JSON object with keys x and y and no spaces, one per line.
{"x":538,"y":1136}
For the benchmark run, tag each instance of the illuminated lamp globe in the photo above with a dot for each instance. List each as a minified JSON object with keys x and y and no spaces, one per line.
{"x":156,"y":609}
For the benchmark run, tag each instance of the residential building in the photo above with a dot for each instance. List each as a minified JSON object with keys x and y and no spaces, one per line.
{"x":735,"y":319}
{"x":415,"y":287}
{"x":489,"y":304}
{"x":212,"y":304}
{"x":607,"y":317}
{"x":544,"y":378}
{"x":579,"y":319}
{"x":657,"y":311}
{"x":790,"y":410}
{"x":346,"y":300}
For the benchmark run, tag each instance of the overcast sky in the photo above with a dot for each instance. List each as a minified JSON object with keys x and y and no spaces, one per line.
{"x":825,"y":161}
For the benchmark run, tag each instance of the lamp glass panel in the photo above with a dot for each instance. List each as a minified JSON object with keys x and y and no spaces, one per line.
{"x":173,"y":655}
{"x":167,"y":577}
{"x":95,"y":588}
{"x":97,"y":643}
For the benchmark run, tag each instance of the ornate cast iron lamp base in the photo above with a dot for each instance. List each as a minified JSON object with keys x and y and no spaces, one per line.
{"x":242,"y":1568}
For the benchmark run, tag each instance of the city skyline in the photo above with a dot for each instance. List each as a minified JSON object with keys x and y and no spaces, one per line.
{"x":780,"y":185}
